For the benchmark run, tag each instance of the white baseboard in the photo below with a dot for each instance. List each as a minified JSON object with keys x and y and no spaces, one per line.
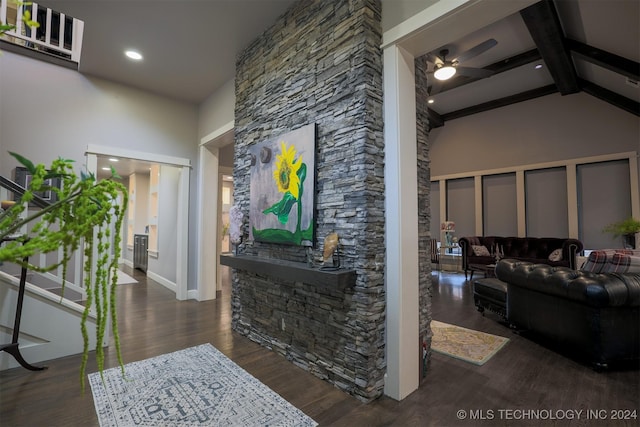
{"x":164,"y":282}
{"x":192,"y":294}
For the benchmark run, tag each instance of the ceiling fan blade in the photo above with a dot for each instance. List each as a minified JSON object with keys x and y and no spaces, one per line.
{"x":433,"y":58}
{"x":478,"y":73}
{"x":477,"y":50}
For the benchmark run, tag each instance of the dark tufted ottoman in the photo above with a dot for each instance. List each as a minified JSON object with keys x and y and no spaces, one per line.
{"x":490,"y":294}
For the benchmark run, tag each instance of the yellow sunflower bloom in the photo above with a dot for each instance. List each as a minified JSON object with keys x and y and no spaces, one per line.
{"x":286,"y":173}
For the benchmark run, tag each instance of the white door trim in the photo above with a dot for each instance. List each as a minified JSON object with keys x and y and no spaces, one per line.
{"x":208,"y":211}
{"x":182,"y":225}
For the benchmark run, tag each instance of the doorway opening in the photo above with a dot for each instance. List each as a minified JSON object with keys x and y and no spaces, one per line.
{"x":172,"y":178}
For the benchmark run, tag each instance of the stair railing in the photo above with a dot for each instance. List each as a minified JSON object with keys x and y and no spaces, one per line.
{"x":73,"y":280}
{"x":57,"y":33}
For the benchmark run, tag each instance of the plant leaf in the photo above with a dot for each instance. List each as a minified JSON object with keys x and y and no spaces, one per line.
{"x":114,"y":173}
{"x":24,"y":162}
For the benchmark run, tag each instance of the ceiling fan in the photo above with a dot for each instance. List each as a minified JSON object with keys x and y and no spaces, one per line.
{"x":445,"y":68}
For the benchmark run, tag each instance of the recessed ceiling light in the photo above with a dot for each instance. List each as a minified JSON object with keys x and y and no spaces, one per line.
{"x":113,"y":159}
{"x":133,"y":55}
{"x":431,"y":101}
{"x":538,"y":66}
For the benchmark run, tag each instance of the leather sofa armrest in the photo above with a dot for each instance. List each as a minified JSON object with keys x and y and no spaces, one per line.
{"x":570,"y":250}
{"x":465,"y":247}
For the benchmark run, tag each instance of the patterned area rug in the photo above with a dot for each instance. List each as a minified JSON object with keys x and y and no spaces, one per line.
{"x":465,"y":344}
{"x":198,"y":386}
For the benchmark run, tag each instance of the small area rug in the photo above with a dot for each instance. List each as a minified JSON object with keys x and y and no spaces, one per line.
{"x":465,"y":344}
{"x":125,"y":279}
{"x":197,"y":386}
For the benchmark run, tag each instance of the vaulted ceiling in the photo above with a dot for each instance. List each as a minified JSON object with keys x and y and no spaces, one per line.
{"x":190,"y":49}
{"x":584,"y":45}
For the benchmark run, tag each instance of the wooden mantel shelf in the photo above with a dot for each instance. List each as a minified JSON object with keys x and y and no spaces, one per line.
{"x":289,"y":270}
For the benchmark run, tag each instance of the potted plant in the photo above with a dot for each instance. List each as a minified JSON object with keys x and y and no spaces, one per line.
{"x":627,"y":228}
{"x":79,"y":219}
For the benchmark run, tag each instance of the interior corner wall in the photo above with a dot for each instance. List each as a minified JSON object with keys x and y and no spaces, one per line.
{"x":540,"y":130}
{"x":320,"y":63}
{"x":424,"y":206}
{"x":217,"y":110}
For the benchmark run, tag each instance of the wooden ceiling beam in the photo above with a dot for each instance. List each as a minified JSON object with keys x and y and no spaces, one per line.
{"x":501,"y":102}
{"x":604,"y":59}
{"x":543,"y":24}
{"x":435,"y":119}
{"x":612,"y":98}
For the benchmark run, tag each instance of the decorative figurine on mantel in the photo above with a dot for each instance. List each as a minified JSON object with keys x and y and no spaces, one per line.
{"x":235,"y":226}
{"x":331,"y":252}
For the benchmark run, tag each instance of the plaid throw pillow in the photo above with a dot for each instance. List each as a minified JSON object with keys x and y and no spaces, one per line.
{"x":597,"y":260}
{"x":622,"y":263}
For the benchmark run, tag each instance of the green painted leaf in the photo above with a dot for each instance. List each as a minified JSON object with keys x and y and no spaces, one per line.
{"x":302,"y":173}
{"x":282,"y":208}
{"x":273,"y":235}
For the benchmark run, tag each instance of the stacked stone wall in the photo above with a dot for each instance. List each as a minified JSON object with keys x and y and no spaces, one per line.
{"x":320,"y":63}
{"x":424,"y":205}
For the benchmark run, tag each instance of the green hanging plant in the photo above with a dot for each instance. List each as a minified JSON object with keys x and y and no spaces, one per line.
{"x":84,"y":209}
{"x":26,"y":18}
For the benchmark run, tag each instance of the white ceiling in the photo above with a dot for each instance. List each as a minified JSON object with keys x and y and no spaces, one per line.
{"x":190,"y":46}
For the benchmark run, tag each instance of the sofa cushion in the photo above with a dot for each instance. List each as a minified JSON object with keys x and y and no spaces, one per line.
{"x":622,"y":263}
{"x":613,"y":261}
{"x":480,"y":250}
{"x":556,"y":255}
{"x":597,"y":260}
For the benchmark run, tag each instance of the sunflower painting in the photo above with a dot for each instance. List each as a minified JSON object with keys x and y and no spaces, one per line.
{"x":282,"y":188}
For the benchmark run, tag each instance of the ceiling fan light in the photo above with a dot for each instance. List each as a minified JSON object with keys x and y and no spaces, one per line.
{"x":132,"y":54}
{"x":444,"y":73}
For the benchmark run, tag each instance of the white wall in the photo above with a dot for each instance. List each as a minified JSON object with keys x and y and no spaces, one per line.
{"x":165,"y":264}
{"x":48,"y":111}
{"x":217,"y":110}
{"x":541,"y":130}
{"x":394,"y":12}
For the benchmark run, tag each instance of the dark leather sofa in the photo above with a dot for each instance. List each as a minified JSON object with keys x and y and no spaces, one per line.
{"x":592,"y":316}
{"x":532,"y":249}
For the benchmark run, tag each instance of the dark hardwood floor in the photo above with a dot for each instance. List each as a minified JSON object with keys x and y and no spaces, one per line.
{"x":522,"y":378}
